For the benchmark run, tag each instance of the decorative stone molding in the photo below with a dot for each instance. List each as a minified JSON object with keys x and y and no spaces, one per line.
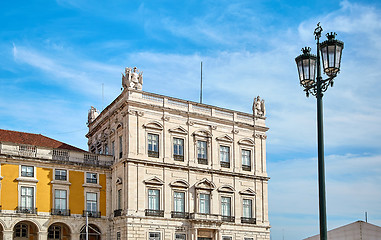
{"x":235,"y":131}
{"x":154,"y":181}
{"x":225,"y":138}
{"x":213,"y":127}
{"x":190,"y":122}
{"x":246,"y":142}
{"x":139,"y":113}
{"x":154,"y":125}
{"x":179,"y":184}
{"x":226,"y":189}
{"x":118,"y":180}
{"x":248,"y":191}
{"x":178,"y":130}
{"x":205,"y":184}
{"x":166,"y":118}
{"x":203,"y":133}
{"x":261,"y":136}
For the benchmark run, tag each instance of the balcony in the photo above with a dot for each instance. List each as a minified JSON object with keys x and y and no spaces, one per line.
{"x":248,"y":220}
{"x":179,"y":214}
{"x":228,"y":218}
{"x":60,"y":212}
{"x":118,"y":212}
{"x":154,"y":213}
{"x":178,"y":157}
{"x":28,"y":210}
{"x":154,"y":154}
{"x":225,"y":164}
{"x":246,"y":168}
{"x":202,"y":161}
{"x":93,"y":214}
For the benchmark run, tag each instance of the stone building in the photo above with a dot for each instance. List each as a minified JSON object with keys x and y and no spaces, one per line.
{"x":182,"y":170}
{"x":48,"y":187}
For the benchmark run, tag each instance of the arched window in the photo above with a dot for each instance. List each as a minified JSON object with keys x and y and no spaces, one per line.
{"x":94,"y":232}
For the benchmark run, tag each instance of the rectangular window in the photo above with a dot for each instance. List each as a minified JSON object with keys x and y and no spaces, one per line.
{"x":246,"y":160}
{"x":248,"y":238}
{"x":178,"y":149}
{"x":60,"y":199}
{"x":120,"y":199}
{"x":113,"y":148}
{"x":154,"y":236}
{"x":226,"y":238}
{"x":180,"y":236}
{"x":225,"y":156}
{"x":120,"y":147}
{"x":117,"y":235}
{"x":153,"y":145}
{"x":179,"y":201}
{"x":153,"y":199}
{"x":226,"y":206}
{"x":27,"y":199}
{"x":91,"y":177}
{"x":27,"y":171}
{"x":91,"y":202}
{"x":60,"y":174}
{"x":247,"y":208}
{"x":202,"y":152}
{"x":204,"y":203}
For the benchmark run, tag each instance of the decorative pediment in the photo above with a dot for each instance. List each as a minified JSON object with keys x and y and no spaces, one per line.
{"x":202,"y":133}
{"x":226,"y":189}
{"x":247,"y":142}
{"x":154,"y":125}
{"x":120,"y":125}
{"x":179,"y":184}
{"x":225,"y":138}
{"x":205,"y":184}
{"x":248,"y":191}
{"x":154,"y":181}
{"x":118,"y":180}
{"x":179,"y":130}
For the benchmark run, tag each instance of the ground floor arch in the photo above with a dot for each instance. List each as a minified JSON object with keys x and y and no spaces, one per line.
{"x":25,"y":230}
{"x":94,"y":232}
{"x":59,"y":231}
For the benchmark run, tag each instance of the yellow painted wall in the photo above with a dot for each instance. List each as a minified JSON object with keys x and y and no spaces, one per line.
{"x":76,"y":197}
{"x":102,"y":197}
{"x":9,"y":190}
{"x":44,"y":189}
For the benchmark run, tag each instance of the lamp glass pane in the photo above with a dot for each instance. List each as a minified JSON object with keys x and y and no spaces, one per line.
{"x":300,"y":70}
{"x":306,"y":66}
{"x":324,"y":56}
{"x":338,"y":56}
{"x":331,"y":56}
{"x":312,"y":69}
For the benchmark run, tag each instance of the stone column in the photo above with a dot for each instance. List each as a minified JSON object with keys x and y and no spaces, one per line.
{"x":7,"y":234}
{"x":42,"y":235}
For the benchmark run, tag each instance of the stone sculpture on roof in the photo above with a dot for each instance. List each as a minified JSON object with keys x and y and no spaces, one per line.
{"x":132,"y":78}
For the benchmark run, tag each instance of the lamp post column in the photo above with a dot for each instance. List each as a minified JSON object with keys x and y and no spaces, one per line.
{"x":320,"y":133}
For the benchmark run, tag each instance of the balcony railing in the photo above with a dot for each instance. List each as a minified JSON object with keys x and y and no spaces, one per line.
{"x":248,"y":220}
{"x":118,"y":212}
{"x":60,"y":212}
{"x":225,"y":164}
{"x":28,"y":210}
{"x":205,"y":216}
{"x":246,"y":168}
{"x":202,"y":161}
{"x":228,"y":218}
{"x":178,"y":157}
{"x":93,"y":214}
{"x":179,"y":214}
{"x":155,"y":213}
{"x":154,"y":154}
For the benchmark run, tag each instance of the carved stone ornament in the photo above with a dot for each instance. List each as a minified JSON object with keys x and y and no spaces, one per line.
{"x":225,"y":138}
{"x":92,"y":115}
{"x":213,"y":127}
{"x":166,"y":118}
{"x":154,"y":181}
{"x":248,"y":191}
{"x":190,"y":122}
{"x":139,"y":113}
{"x":154,"y":125}
{"x":259,"y":108}
{"x":179,"y":130}
{"x":132,"y":79}
{"x":261,"y":136}
{"x":205,"y":184}
{"x":131,"y":112}
{"x":235,"y":131}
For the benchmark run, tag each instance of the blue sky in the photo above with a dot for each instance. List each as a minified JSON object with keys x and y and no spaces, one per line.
{"x":55,"y":56}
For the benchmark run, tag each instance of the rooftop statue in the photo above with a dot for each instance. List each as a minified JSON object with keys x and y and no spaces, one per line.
{"x":259,"y":107}
{"x":132,"y":79}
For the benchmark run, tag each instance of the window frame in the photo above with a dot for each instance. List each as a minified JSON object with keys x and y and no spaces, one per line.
{"x":154,"y":237}
{"x":158,"y":198}
{"x":96,"y":202}
{"x":61,"y":170}
{"x":178,"y":157}
{"x":150,"y":152}
{"x":251,"y":207}
{"x":26,"y":172}
{"x":92,"y":179}
{"x":246,"y":167}
{"x":225,"y":164}
{"x":174,"y":201}
{"x":230,"y":205}
{"x":20,"y":204}
{"x":66,"y":199}
{"x":199,"y":148}
{"x":209,"y":202}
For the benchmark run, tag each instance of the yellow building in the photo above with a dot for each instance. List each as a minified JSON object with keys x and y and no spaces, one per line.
{"x":48,"y":187}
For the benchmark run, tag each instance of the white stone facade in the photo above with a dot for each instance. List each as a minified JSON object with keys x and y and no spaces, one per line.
{"x":183,"y":169}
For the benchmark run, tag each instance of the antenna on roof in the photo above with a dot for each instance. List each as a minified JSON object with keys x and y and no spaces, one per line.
{"x":201,"y":85}
{"x":366,"y":216}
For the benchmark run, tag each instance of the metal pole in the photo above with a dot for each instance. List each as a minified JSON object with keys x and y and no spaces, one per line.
{"x":87,"y":225}
{"x":201,"y":85}
{"x":321,"y":173}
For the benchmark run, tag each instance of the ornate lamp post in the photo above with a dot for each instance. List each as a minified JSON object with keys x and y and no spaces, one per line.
{"x":307,"y":65}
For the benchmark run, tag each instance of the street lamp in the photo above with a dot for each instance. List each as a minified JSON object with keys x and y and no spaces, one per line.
{"x":307,"y":65}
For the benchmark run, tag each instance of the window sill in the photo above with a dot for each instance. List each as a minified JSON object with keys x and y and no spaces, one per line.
{"x":60,"y":182}
{"x":27,"y":179}
{"x":91,"y":185}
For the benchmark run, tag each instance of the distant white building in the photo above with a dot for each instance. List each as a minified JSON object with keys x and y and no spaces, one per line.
{"x":354,"y":231}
